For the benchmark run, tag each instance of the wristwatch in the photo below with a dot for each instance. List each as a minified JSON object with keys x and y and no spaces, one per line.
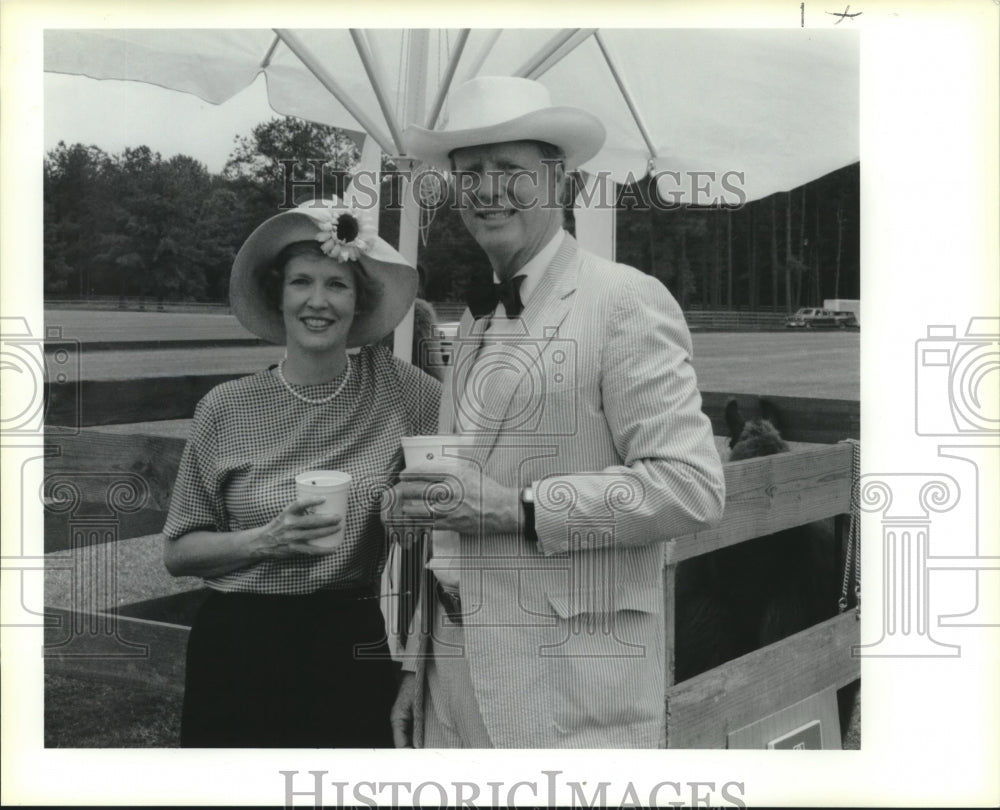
{"x":528,"y":508}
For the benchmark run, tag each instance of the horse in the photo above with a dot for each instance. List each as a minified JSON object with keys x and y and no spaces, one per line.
{"x":737,"y":599}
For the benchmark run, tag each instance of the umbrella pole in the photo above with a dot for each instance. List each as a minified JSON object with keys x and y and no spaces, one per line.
{"x":409,"y":220}
{"x":594,"y":213}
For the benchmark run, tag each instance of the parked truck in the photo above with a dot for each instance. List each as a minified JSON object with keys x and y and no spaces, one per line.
{"x":846,"y":306}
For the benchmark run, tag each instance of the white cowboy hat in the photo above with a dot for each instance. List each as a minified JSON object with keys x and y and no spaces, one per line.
{"x":496,"y":109}
{"x":350,"y":238}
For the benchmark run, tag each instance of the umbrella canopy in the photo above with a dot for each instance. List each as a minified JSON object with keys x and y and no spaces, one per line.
{"x":777,"y":107}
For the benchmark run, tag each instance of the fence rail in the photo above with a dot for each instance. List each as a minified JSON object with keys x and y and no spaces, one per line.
{"x":724,"y":320}
{"x":697,"y":315}
{"x":135,"y":303}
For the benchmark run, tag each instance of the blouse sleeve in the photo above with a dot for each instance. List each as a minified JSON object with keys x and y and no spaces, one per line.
{"x":196,"y":502}
{"x":421,"y":395}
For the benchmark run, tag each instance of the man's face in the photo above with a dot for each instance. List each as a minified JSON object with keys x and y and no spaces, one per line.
{"x":508,"y":200}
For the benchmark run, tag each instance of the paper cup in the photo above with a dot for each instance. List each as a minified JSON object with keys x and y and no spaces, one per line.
{"x":335,"y":487}
{"x":444,"y":557}
{"x":417,"y":449}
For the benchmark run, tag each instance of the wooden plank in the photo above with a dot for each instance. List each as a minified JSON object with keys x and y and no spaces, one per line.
{"x":121,"y":650}
{"x":91,"y":463}
{"x":765,"y":495}
{"x":703,"y":710}
{"x":145,"y":399}
{"x":823,"y":421}
{"x":106,"y":402}
{"x":152,"y":458}
{"x":670,"y":625}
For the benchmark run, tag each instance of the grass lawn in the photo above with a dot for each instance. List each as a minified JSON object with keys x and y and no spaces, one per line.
{"x":139,"y":718}
{"x":86,"y":713}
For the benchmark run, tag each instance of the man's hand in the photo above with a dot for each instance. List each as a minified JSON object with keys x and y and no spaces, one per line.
{"x":401,"y":716}
{"x":457,"y":496}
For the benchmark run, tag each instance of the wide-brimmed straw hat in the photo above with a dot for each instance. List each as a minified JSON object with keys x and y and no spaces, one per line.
{"x":497,"y":109}
{"x":345,"y":233}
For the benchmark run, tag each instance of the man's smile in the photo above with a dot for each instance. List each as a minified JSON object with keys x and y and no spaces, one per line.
{"x":492,"y":214}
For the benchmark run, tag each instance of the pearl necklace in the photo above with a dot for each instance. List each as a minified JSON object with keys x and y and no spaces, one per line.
{"x":307,"y":400}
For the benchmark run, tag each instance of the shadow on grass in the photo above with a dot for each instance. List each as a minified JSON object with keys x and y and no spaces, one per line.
{"x":85,"y":713}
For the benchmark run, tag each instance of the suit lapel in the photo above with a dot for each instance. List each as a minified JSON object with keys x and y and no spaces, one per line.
{"x":467,"y":345}
{"x":543,"y":314}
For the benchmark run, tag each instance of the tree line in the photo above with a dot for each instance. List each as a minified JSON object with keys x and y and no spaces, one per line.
{"x":135,"y":224}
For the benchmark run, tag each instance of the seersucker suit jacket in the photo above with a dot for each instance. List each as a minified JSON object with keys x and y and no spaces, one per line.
{"x":593,"y":400}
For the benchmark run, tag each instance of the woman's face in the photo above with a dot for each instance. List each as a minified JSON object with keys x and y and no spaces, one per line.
{"x":317,"y":302}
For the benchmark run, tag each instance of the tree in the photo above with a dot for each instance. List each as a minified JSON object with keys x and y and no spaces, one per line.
{"x":280,"y":159}
{"x":153,"y":249}
{"x":76,"y":199}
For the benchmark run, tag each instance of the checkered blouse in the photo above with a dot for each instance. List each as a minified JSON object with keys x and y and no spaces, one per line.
{"x":250,"y":437}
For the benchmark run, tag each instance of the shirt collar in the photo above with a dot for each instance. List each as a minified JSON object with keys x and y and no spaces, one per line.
{"x":536,"y":266}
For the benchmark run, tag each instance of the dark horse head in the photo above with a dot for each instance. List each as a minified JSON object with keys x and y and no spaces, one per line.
{"x":758,"y":437}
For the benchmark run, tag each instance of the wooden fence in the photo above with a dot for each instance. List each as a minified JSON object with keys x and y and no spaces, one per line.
{"x":152,"y":449}
{"x":143,"y":638}
{"x":764,"y":495}
{"x":734,"y":320}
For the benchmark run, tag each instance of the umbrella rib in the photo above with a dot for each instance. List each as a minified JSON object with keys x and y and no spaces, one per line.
{"x":449,"y":74}
{"x":626,"y":94}
{"x":270,"y":52}
{"x":368,"y":63}
{"x":306,"y":58}
{"x":561,"y":53}
{"x":546,"y":51}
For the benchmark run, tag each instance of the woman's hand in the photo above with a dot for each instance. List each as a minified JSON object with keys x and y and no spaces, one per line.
{"x":210,"y":554}
{"x":288,"y":535}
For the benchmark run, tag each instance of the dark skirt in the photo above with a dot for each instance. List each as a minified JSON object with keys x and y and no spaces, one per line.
{"x":271,"y":671}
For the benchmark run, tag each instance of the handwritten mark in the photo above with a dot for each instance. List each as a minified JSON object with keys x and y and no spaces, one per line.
{"x":844,"y":14}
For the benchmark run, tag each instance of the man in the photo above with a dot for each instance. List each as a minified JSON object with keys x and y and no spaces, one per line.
{"x":590,"y":449}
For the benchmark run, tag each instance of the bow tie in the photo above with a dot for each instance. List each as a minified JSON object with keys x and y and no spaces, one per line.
{"x":482,"y":299}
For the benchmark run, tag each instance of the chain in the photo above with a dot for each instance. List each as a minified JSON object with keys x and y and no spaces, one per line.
{"x":853,"y":553}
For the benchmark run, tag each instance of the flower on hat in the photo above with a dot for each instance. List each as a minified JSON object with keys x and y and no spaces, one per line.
{"x":344,"y":234}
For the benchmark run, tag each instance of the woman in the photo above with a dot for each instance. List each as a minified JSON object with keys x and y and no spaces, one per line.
{"x":289,"y":648}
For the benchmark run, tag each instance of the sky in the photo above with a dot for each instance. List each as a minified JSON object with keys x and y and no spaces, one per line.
{"x":115,"y":114}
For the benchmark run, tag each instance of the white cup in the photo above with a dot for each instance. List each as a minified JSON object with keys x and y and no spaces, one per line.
{"x":418,"y":449}
{"x":335,"y":487}
{"x":444,"y":557}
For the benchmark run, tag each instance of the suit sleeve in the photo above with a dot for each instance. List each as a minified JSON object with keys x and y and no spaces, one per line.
{"x":670,"y":480}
